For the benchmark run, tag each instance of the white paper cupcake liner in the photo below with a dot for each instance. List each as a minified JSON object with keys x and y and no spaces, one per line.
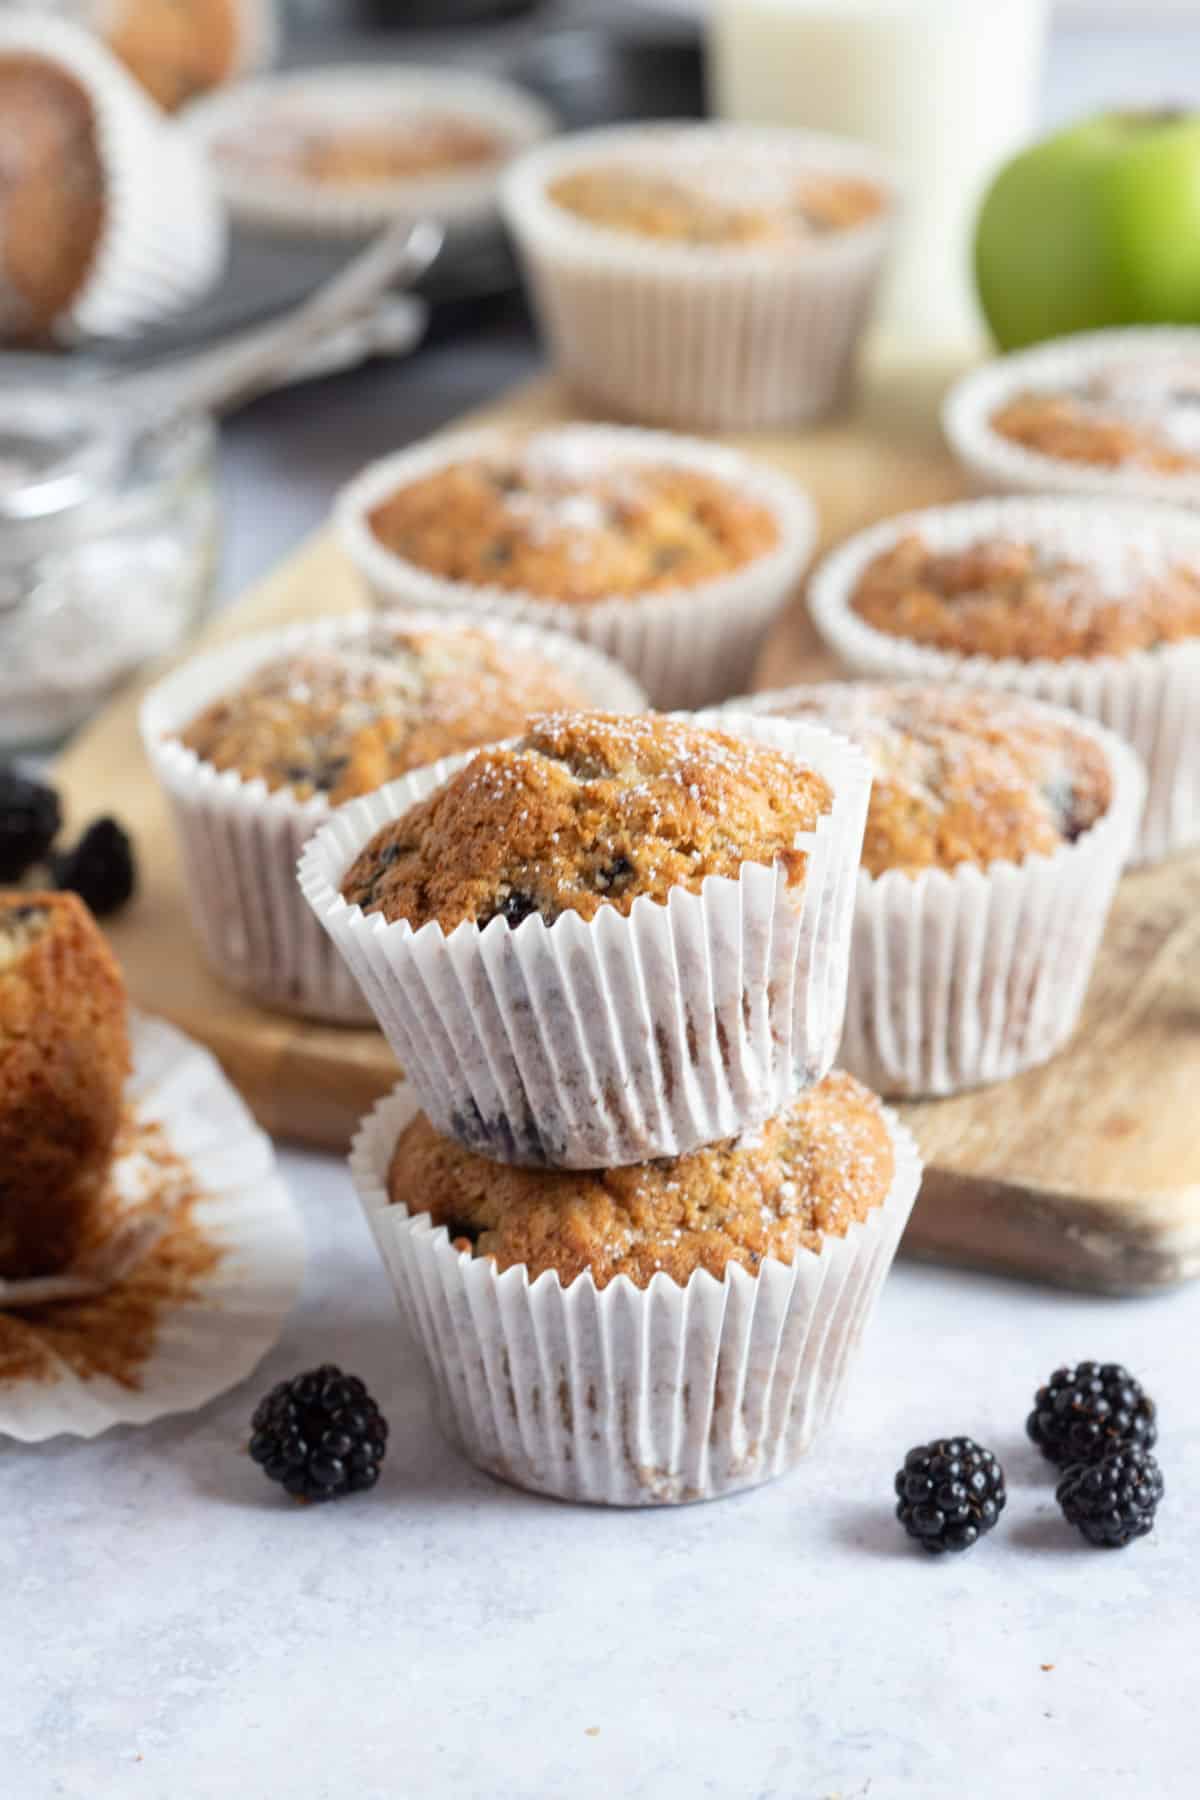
{"x":589,"y":1044}
{"x":279,"y":201}
{"x":163,"y":239}
{"x":628,"y":1396}
{"x":963,"y":977}
{"x":216,"y":1337}
{"x":726,"y":338}
{"x":240,"y":843}
{"x":687,"y":647}
{"x":997,"y":465}
{"x":1151,"y":698}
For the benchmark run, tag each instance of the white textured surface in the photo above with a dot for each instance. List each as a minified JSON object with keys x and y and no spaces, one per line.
{"x":445,"y":1636}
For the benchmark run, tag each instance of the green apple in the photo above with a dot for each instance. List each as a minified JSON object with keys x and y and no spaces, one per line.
{"x":1097,"y":225}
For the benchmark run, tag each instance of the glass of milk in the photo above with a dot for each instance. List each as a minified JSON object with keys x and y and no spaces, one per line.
{"x":950,"y":87}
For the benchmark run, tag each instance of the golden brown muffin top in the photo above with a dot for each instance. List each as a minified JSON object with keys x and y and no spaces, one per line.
{"x":344,"y":719}
{"x":556,"y":517}
{"x":53,"y":956}
{"x":961,"y":776}
{"x":808,"y":1174}
{"x":359,"y":153}
{"x":175,"y":50}
{"x":51,"y":192}
{"x":588,"y":810}
{"x":1001,"y":597}
{"x":717,"y":203}
{"x":1140,"y":414}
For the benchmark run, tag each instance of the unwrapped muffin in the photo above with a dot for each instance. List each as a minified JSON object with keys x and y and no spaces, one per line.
{"x":64,"y":1057}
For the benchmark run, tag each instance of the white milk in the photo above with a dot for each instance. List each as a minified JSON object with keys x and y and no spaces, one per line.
{"x":949,"y":86}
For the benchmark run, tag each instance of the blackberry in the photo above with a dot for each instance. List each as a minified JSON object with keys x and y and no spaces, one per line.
{"x":950,"y":1493}
{"x":100,"y":868}
{"x":1114,"y":1500}
{"x":29,"y":820}
{"x":320,"y":1435}
{"x":1089,"y":1411}
{"x":514,"y":909}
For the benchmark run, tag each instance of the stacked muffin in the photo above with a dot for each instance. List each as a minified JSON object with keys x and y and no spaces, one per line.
{"x":635,"y":1222}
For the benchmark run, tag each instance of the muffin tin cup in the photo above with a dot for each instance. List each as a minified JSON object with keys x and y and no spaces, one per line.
{"x":590,"y":1044}
{"x":963,"y":977}
{"x":461,"y":200}
{"x":163,"y":239}
{"x":997,"y":466}
{"x":628,"y":1396}
{"x":1151,"y":698}
{"x":688,"y":647}
{"x":714,"y":338}
{"x":240,"y":842}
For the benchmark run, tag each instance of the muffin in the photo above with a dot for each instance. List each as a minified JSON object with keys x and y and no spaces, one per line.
{"x":178,"y":49}
{"x":996,"y":832}
{"x":344,"y":151}
{"x":1086,"y":605}
{"x":64,"y":1056}
{"x":610,"y":940}
{"x":706,"y":276}
{"x":110,"y":219}
{"x":672,"y":556}
{"x":255,"y":742}
{"x":51,"y":194}
{"x":1106,"y":412}
{"x":648,"y":1335}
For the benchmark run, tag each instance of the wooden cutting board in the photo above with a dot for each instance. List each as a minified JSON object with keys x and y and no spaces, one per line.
{"x":1086,"y":1172}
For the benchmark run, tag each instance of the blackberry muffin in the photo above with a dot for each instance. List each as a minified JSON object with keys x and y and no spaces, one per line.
{"x":650,"y":1335}
{"x":961,"y":776}
{"x":671,"y":555}
{"x":588,"y":810}
{"x":610,"y":940}
{"x":808,"y":1174}
{"x":64,"y":1057}
{"x":177,"y":49}
{"x":342,"y":719}
{"x":51,"y":193}
{"x":256,"y":742}
{"x":1087,"y":604}
{"x":996,"y":831}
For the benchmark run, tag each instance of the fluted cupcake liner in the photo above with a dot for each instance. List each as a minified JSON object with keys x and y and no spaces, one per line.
{"x":996,"y":465}
{"x":720,"y":338}
{"x":240,"y":842}
{"x":628,"y":1396}
{"x":162,"y":241}
{"x":1151,"y":698}
{"x":287,"y":202}
{"x":687,"y":647}
{"x":967,"y":976}
{"x":594,"y":1043}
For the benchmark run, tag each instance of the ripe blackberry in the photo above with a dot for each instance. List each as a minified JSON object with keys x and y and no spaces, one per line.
{"x":1089,"y":1411}
{"x":950,"y":1493}
{"x":320,"y":1435}
{"x":29,"y":820}
{"x":1112,"y":1501}
{"x":100,"y":868}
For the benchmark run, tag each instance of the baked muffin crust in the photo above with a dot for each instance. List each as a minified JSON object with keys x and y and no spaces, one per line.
{"x":1141,"y":415}
{"x":178,"y":50}
{"x":716,"y":205}
{"x":362,"y":153}
{"x":588,"y":810}
{"x":51,"y":193}
{"x":808,"y":1174}
{"x":549,"y":517}
{"x":64,"y":1056}
{"x":1000,"y":597}
{"x":344,"y":719}
{"x":961,"y":776}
